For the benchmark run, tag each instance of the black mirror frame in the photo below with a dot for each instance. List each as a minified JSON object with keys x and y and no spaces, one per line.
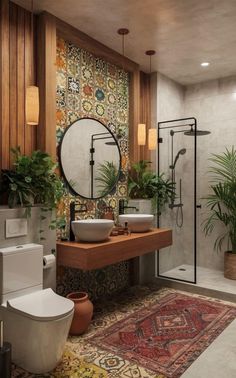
{"x":71,"y":190}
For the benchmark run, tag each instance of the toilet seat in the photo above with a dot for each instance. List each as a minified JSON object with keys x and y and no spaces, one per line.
{"x":42,"y":305}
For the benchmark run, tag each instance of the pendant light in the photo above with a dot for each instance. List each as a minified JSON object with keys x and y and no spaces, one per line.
{"x":141,"y":134}
{"x":152,"y":132}
{"x":141,"y":126}
{"x":32,"y":91}
{"x":123,"y":32}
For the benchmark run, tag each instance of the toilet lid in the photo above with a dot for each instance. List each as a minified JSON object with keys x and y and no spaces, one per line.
{"x":42,"y":305}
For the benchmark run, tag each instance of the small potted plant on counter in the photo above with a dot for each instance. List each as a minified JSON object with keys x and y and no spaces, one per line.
{"x":151,"y":190}
{"x":221,"y":204}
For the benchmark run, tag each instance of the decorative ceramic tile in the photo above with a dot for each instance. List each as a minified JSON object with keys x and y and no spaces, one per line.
{"x":91,"y":87}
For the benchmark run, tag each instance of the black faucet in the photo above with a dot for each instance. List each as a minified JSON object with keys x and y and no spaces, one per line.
{"x":122,"y":207}
{"x":73,"y":211}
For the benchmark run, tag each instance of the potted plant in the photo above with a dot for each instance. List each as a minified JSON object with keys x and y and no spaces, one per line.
{"x":145,"y":184}
{"x":32,"y":180}
{"x":222,"y":207}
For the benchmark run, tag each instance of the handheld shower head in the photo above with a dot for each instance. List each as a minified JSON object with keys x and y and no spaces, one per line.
{"x":181,"y":152}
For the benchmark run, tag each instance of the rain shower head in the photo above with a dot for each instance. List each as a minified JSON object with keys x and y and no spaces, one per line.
{"x":198,"y":132}
{"x":181,"y":152}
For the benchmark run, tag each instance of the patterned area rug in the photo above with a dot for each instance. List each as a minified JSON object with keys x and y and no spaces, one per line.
{"x":168,"y":336}
{"x":145,"y":333}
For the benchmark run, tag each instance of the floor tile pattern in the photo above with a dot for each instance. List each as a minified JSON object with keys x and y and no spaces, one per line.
{"x":86,"y":357}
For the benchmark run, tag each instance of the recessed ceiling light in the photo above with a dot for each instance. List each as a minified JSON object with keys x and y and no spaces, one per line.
{"x":205,"y":64}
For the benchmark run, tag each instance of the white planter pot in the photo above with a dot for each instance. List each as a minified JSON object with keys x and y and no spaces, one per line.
{"x":144,"y":206}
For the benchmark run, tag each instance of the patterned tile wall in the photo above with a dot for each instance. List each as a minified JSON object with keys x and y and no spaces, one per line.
{"x":88,"y":86}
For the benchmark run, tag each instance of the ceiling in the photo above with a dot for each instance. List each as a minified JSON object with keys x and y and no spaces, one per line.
{"x":184,"y":33}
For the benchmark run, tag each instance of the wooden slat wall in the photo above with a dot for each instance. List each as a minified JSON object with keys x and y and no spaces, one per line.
{"x":4,"y":84}
{"x":145,"y":111}
{"x":16,"y":74}
{"x":46,"y":32}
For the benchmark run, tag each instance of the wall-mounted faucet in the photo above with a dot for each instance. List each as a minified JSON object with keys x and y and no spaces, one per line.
{"x":122,"y":207}
{"x":82,"y":209}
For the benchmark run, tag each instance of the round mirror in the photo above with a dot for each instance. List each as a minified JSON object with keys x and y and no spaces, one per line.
{"x":90,"y":158}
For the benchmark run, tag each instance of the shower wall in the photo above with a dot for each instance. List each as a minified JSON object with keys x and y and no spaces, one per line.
{"x":213,"y":103}
{"x":170,"y":105}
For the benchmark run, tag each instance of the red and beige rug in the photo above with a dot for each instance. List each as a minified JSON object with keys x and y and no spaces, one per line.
{"x":147,"y":334}
{"x":168,"y":336}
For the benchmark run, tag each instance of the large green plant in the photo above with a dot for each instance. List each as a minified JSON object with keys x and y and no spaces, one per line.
{"x":222,"y":201}
{"x":107,"y":177}
{"x":31,"y":180}
{"x":146,"y":184}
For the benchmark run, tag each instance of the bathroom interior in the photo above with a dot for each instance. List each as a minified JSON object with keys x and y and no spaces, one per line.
{"x":95,"y":89}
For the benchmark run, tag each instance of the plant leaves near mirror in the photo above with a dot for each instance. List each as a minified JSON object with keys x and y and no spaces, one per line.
{"x":87,"y":148}
{"x":32,"y":180}
{"x":221,"y":203}
{"x":106,"y":178}
{"x":146,"y":184}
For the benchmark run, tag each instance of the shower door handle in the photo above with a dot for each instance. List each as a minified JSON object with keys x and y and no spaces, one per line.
{"x":198,"y":206}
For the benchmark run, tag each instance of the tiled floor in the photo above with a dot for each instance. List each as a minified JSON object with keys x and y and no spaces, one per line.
{"x":206,"y":278}
{"x":81,"y":360}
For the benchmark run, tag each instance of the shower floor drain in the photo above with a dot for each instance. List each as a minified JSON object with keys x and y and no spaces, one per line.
{"x":182,"y":269}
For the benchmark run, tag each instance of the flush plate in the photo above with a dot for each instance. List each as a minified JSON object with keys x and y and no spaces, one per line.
{"x":16,"y":227}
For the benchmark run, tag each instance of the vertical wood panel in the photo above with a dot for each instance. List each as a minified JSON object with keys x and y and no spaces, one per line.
{"x":145,"y":109}
{"x":46,"y":31}
{"x":4,"y":84}
{"x":46,"y":75}
{"x":134,"y":149}
{"x":21,"y":79}
{"x":29,"y":79}
{"x":15,"y":64}
{"x":139,"y":113}
{"x":13,"y":78}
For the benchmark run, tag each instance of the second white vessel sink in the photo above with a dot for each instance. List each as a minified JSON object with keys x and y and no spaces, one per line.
{"x":92,"y":230}
{"x":137,"y":222}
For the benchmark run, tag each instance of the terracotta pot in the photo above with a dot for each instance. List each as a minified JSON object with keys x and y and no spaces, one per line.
{"x":83,"y":312}
{"x":230,"y":265}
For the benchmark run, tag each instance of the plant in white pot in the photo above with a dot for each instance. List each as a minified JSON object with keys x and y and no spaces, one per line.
{"x":146,"y":185}
{"x":32,"y":180}
{"x":221,"y":204}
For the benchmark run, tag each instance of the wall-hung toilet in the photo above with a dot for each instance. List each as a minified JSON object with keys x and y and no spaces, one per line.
{"x":36,"y":321}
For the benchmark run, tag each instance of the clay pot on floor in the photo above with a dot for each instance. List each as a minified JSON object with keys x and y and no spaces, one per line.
{"x":83,"y":312}
{"x":230,"y":265}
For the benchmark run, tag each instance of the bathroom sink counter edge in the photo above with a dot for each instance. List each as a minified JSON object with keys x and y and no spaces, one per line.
{"x":89,"y":256}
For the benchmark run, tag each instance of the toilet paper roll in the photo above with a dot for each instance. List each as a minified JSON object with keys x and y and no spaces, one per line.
{"x":49,"y":261}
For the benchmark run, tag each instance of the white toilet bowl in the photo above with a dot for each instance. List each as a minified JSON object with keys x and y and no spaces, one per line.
{"x":37,"y":326}
{"x":36,"y":321}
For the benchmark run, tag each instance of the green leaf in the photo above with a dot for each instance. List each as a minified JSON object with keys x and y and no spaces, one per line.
{"x":221,"y":202}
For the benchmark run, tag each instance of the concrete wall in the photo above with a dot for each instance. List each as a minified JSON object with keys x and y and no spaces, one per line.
{"x":213,"y":103}
{"x":33,"y":236}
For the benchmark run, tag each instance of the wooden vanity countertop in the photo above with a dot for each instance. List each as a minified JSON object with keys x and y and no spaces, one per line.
{"x":89,"y":256}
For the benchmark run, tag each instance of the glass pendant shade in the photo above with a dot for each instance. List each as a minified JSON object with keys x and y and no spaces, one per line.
{"x":152,"y":139}
{"x":32,"y":105}
{"x":141,"y":134}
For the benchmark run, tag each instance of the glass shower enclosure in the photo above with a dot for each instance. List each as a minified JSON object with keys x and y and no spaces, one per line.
{"x":177,"y":159}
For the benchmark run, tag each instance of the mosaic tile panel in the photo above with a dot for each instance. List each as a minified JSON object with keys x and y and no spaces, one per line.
{"x":88,"y":86}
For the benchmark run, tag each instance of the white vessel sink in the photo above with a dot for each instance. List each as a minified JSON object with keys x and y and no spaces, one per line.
{"x":137,"y":222}
{"x":92,"y":230}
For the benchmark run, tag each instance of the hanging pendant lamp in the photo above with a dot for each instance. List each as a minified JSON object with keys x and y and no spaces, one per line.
{"x":32,"y":91}
{"x":152,"y":132}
